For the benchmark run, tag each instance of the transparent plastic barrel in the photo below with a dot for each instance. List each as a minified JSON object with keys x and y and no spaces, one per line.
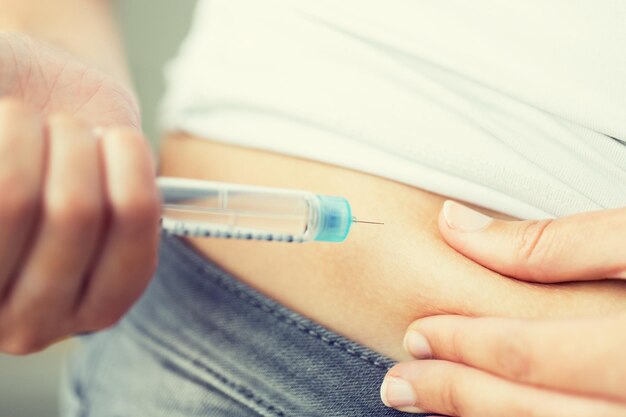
{"x":214,"y":209}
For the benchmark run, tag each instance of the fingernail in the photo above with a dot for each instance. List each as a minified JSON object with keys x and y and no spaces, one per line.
{"x":416,"y":344}
{"x":463,"y":218}
{"x":398,"y":393}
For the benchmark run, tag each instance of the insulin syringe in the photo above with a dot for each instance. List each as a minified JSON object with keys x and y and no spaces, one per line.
{"x":216,"y":209}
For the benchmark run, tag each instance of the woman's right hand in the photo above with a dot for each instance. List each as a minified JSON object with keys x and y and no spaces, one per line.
{"x":52,"y":80}
{"x":78,"y":225}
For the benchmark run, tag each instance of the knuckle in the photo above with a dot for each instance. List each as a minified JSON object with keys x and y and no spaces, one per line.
{"x":121,"y":137}
{"x":10,"y":108}
{"x":73,"y":213}
{"x":123,"y":133}
{"x":139,"y":212}
{"x":63,"y":126}
{"x":535,"y":244}
{"x":100,"y":320}
{"x":20,"y":343}
{"x":453,"y":393}
{"x":62,"y":119}
{"x":458,"y":344}
{"x":514,"y":358}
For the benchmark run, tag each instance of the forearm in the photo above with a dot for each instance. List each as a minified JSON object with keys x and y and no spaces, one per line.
{"x":86,"y":28}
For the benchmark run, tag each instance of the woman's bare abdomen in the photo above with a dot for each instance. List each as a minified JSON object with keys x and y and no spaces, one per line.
{"x":372,"y":286}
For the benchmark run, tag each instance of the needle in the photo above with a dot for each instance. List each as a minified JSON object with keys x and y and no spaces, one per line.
{"x":354,"y":220}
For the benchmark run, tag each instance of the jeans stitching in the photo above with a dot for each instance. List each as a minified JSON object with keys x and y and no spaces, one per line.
{"x":243,"y":390}
{"x":222,"y":282}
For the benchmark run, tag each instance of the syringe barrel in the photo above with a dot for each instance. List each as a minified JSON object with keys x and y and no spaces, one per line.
{"x":215,"y":209}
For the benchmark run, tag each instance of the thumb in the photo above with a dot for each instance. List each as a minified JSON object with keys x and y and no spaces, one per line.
{"x":589,"y":246}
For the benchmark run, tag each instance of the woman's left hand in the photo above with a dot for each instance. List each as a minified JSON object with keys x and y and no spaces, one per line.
{"x":491,"y":367}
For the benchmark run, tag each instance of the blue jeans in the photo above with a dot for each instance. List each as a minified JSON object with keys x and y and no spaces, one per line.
{"x":201,"y":343}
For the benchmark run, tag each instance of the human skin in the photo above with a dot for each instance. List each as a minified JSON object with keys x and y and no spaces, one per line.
{"x":492,"y":367}
{"x":84,"y":28}
{"x":79,"y":212}
{"x":371,"y":287}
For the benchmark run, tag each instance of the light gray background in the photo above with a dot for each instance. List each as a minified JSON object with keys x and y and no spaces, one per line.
{"x":153,"y":29}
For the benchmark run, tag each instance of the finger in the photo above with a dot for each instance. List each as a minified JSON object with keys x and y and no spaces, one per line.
{"x":128,"y":257}
{"x":44,"y":293}
{"x":22,"y":152}
{"x":457,"y":390}
{"x":582,"y":247}
{"x":584,"y":356}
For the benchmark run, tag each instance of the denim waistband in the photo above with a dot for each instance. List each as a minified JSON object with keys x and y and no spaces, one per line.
{"x":220,"y":332}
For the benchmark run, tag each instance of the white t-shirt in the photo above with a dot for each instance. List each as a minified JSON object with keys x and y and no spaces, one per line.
{"x":518,"y":106}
